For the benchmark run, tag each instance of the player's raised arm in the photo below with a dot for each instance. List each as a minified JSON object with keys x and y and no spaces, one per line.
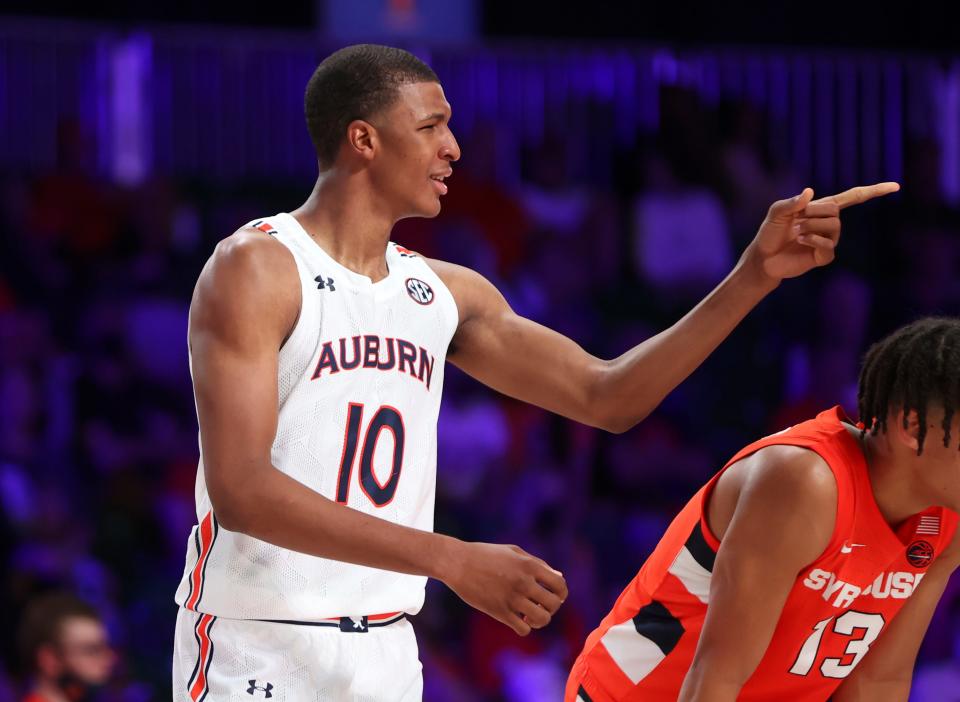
{"x":774,"y":513}
{"x":532,"y":363}
{"x":246,"y":303}
{"x":886,"y":674}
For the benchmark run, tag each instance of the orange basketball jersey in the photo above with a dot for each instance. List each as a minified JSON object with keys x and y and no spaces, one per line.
{"x":840,"y":604}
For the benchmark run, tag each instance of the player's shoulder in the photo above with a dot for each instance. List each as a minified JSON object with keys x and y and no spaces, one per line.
{"x":789,"y":475}
{"x":251,"y":249}
{"x":251,"y":261}
{"x":248,"y":270}
{"x":452,"y":273}
{"x":474,"y":294}
{"x":780,"y":498}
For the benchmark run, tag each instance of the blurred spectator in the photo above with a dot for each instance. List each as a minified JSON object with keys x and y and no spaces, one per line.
{"x":64,"y":645}
{"x":680,"y":237}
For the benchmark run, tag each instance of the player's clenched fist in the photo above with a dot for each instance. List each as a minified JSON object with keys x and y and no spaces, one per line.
{"x":506,"y":583}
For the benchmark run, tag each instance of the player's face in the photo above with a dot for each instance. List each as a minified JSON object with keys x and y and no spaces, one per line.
{"x":938,"y":466}
{"x":417,"y":150}
{"x":948,"y":457}
{"x":85,"y":651}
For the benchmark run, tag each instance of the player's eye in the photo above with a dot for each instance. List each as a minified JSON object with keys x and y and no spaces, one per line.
{"x":429,"y":126}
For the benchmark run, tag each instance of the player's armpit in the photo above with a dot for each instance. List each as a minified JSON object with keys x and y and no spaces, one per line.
{"x":783,"y":516}
{"x":886,"y":672}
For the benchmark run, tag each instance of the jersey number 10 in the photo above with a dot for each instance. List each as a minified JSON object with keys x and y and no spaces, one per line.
{"x":386,"y":418}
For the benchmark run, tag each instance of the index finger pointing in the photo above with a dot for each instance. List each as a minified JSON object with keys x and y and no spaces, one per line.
{"x":862,"y":193}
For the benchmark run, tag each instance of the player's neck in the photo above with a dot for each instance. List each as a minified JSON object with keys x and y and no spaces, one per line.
{"x":343,"y":219}
{"x":896,"y":488}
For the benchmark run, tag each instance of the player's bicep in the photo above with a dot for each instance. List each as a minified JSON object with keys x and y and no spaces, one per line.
{"x":515,"y":355}
{"x":782,"y":521}
{"x":243,"y":307}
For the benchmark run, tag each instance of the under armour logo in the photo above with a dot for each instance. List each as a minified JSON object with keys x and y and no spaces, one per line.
{"x":328,"y":283}
{"x":353,"y":625}
{"x":265,"y":689}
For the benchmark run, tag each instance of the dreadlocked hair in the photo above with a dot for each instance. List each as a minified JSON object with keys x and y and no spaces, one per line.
{"x":916,"y":366}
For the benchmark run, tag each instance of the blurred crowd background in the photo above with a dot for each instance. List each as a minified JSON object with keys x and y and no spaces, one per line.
{"x":605,"y":187}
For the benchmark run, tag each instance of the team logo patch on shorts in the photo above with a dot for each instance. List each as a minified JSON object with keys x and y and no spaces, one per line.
{"x":419,"y":292}
{"x":257,"y":687}
{"x":920,"y":554}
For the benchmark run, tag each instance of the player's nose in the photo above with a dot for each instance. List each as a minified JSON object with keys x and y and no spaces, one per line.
{"x":451,"y":149}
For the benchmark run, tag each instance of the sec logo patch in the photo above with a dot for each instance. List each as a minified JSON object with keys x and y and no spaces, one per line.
{"x":419,"y":292}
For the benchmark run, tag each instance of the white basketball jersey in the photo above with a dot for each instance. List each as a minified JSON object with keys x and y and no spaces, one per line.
{"x":360,"y":379}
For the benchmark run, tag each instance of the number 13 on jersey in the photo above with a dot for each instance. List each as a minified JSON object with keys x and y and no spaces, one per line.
{"x":863,"y":629}
{"x":385,"y":418}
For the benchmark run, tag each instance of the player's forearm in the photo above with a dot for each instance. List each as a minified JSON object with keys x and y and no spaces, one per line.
{"x":636,"y":382}
{"x":702,"y":685}
{"x":275,"y":508}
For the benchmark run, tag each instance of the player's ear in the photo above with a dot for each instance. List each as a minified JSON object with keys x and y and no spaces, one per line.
{"x":362,"y":138}
{"x":906,"y":429}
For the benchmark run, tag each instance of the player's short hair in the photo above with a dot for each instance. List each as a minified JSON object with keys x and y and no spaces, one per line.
{"x":43,"y":620}
{"x":356,"y":82}
{"x":916,"y":366}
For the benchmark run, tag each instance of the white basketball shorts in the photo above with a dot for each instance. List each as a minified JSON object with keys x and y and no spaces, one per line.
{"x":345,"y":660}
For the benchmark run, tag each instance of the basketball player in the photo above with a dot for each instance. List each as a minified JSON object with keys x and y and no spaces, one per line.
{"x":317,"y":352}
{"x":810,"y":566}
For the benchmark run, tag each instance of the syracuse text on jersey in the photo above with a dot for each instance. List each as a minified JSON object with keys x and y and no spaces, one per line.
{"x":898,"y":585}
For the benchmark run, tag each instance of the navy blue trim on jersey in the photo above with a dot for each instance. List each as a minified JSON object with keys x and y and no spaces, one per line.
{"x":699,"y":548}
{"x":582,"y":694}
{"x":345,"y":624}
{"x":206,"y":670}
{"x":656,"y":623}
{"x":196,"y":541}
{"x":196,"y":668}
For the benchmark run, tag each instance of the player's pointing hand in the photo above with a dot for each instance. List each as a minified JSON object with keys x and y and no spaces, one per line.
{"x":506,"y":583}
{"x":801,"y":233}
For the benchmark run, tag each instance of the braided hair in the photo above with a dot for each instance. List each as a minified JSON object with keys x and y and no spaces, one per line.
{"x":916,"y":366}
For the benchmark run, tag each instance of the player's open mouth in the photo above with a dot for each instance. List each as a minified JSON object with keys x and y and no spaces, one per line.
{"x":438,"y":183}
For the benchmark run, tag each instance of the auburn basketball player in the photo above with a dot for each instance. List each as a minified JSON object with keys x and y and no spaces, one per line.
{"x":809,"y":567}
{"x":317,"y":352}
